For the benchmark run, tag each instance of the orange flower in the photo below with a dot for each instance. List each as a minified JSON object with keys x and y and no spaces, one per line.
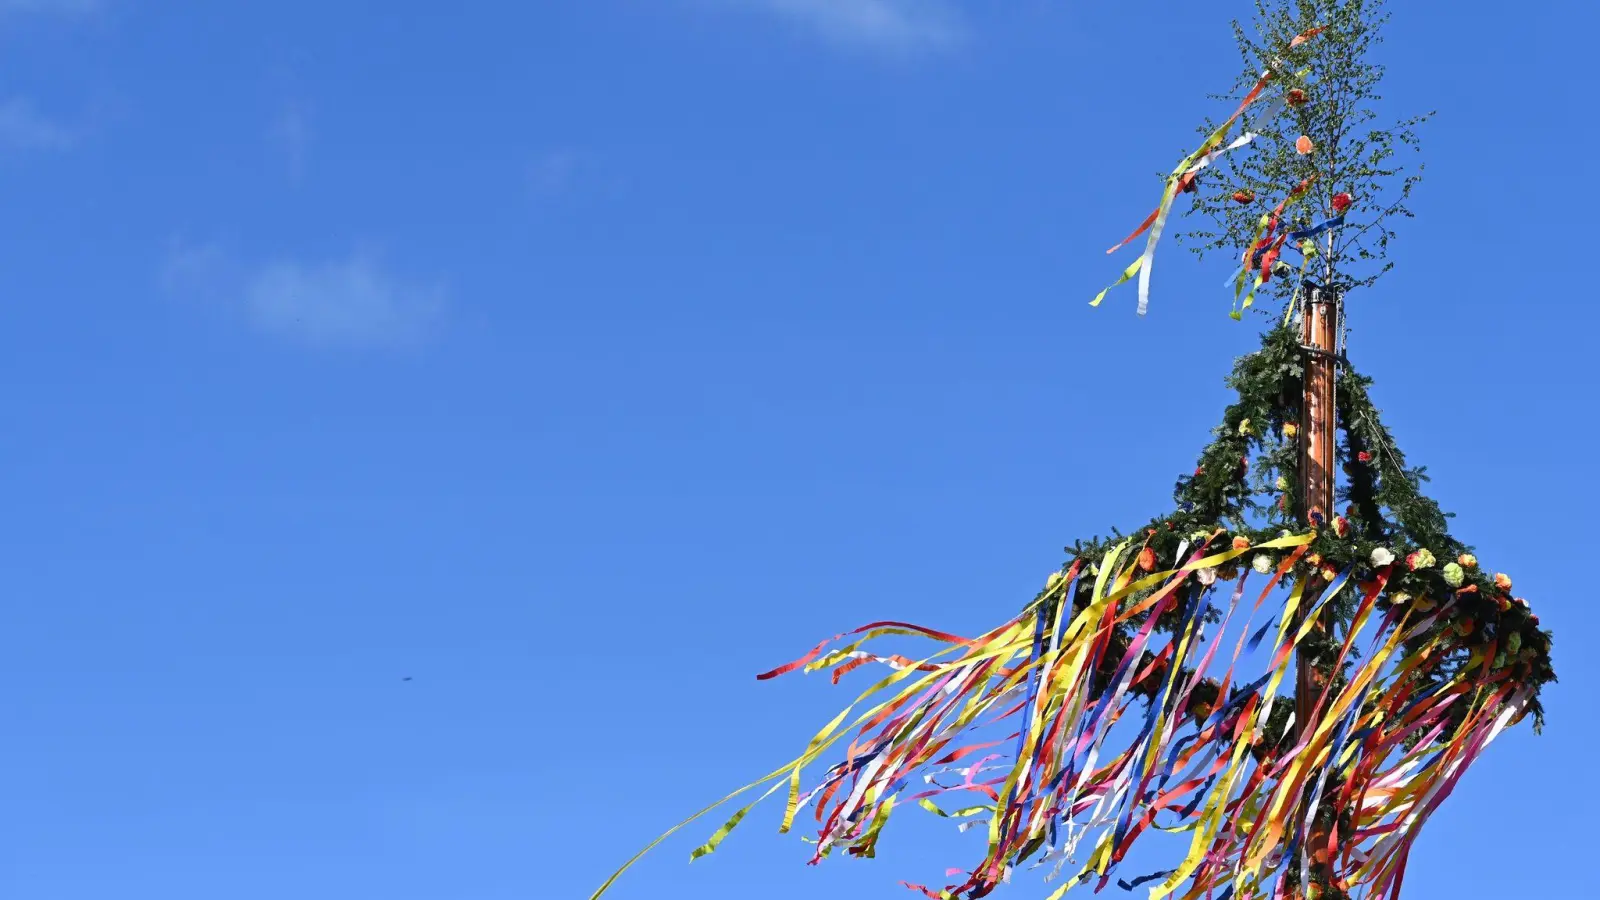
{"x":1241,"y":543}
{"x":1244,"y":197}
{"x":1147,"y":559}
{"x":1502,"y":581}
{"x":1304,"y":146}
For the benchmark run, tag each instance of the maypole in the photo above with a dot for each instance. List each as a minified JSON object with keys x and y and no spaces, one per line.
{"x":1321,"y":318}
{"x":1146,"y":686}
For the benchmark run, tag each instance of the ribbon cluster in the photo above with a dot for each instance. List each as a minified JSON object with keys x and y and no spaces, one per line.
{"x":1035,"y":732}
{"x":1183,"y":180}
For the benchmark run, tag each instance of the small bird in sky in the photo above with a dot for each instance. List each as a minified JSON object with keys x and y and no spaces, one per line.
{"x":405,"y":678}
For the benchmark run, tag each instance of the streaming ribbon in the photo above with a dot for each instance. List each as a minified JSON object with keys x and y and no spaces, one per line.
{"x":1032,"y":733}
{"x":1183,"y":179}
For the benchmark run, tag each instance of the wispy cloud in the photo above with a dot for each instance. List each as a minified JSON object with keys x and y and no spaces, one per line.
{"x":894,"y":25}
{"x":553,"y":172}
{"x":23,"y":128}
{"x":63,"y":7}
{"x":291,"y":130}
{"x":354,"y":302}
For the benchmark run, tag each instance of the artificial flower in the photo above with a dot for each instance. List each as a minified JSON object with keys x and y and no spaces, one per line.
{"x":1454,"y":575}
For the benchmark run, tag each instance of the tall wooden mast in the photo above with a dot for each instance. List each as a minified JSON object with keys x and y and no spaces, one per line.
{"x":1321,"y":322}
{"x":1318,"y":455}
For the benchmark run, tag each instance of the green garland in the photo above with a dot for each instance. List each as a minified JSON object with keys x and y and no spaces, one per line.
{"x":1246,"y":481}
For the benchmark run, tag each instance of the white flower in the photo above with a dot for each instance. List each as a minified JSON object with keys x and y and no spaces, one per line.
{"x":1207,"y":577}
{"x":1262,"y":563}
{"x":1382,"y":556}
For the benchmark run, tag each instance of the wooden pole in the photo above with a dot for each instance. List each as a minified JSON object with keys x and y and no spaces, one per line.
{"x":1318,"y":456}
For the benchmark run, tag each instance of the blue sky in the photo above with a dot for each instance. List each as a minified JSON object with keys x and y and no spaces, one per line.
{"x":580,"y":360}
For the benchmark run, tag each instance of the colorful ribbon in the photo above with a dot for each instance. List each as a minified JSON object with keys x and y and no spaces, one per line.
{"x":1182,"y":179}
{"x":1031,"y":711}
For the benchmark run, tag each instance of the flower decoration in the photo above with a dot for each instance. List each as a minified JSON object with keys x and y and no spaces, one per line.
{"x":1454,"y":575}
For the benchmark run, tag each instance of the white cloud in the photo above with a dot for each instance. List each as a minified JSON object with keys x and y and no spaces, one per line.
{"x":354,"y":302}
{"x":73,"y":7}
{"x":898,"y":25}
{"x":22,"y":128}
{"x":553,"y":172}
{"x":292,"y":131}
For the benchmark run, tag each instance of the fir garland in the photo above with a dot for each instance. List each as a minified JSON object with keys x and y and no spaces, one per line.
{"x":1245,"y":483}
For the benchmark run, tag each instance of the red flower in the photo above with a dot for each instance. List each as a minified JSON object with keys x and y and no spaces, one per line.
{"x":1243,"y":197}
{"x":1341,"y":202}
{"x":1364,"y":456}
{"x":1297,"y":97}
